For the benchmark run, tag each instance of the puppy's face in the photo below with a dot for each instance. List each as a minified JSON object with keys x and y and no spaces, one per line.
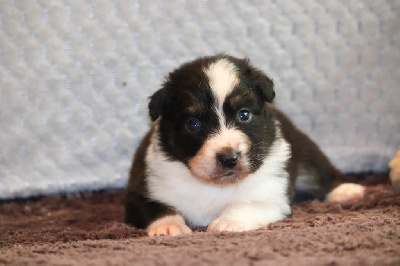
{"x":214,"y":118}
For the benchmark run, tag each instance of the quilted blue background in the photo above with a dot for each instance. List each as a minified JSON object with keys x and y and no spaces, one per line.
{"x":75,"y":77}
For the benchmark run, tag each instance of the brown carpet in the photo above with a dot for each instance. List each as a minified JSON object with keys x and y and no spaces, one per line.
{"x":88,"y":228}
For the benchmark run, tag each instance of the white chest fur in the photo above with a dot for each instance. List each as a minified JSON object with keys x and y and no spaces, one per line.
{"x":171,"y":183}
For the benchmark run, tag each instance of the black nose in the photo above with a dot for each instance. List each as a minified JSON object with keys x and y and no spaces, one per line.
{"x":228,"y":160}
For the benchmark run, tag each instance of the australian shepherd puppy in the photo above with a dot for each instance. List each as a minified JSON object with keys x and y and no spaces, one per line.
{"x":220,"y":155}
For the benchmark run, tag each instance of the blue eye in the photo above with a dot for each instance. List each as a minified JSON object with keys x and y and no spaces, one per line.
{"x":193,"y":125}
{"x":244,"y":115}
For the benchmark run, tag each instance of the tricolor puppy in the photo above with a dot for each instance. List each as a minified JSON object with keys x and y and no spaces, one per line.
{"x":220,"y":155}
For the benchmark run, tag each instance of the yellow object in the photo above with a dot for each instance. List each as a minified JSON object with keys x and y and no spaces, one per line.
{"x":394,"y":175}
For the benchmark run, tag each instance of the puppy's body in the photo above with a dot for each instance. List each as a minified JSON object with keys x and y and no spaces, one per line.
{"x":220,"y":155}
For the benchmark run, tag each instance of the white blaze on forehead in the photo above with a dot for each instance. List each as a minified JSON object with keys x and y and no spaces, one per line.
{"x":223,"y":78}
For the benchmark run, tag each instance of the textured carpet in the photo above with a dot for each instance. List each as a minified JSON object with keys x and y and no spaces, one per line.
{"x":88,"y":228}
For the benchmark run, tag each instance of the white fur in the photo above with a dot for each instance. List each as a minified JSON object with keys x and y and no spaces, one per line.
{"x":346,"y":191}
{"x":257,"y":200}
{"x":170,"y":219}
{"x":246,"y":216}
{"x":223,"y":79}
{"x":168,"y":225}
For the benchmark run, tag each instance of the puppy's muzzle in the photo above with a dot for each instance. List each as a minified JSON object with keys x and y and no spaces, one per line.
{"x":228,"y":158}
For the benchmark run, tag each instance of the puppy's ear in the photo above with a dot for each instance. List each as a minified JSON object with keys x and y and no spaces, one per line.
{"x":261,"y":83}
{"x":265,"y":86}
{"x":157,"y":103}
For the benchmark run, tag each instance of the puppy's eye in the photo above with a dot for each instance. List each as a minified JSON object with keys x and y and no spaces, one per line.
{"x":244,"y":115}
{"x":193,"y":125}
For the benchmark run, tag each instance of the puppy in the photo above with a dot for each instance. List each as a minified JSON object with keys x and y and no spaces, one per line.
{"x":220,"y":155}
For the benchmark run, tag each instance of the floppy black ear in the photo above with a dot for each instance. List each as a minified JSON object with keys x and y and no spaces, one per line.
{"x":157,"y":104}
{"x":261,"y":83}
{"x":265,"y":85}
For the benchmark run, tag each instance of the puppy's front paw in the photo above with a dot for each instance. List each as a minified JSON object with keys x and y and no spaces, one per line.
{"x":223,"y":224}
{"x":346,"y":191}
{"x":171,"y":225}
{"x":170,"y":230}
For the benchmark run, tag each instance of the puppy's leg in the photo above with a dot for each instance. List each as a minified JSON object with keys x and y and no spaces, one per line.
{"x":143,"y":212}
{"x":346,"y":191}
{"x":153,"y":216}
{"x":322,"y":181}
{"x":316,"y":177}
{"x":172,"y":225}
{"x":326,"y":185}
{"x":249,"y":216}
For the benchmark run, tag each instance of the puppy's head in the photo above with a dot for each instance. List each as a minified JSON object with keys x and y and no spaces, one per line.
{"x":214,"y":117}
